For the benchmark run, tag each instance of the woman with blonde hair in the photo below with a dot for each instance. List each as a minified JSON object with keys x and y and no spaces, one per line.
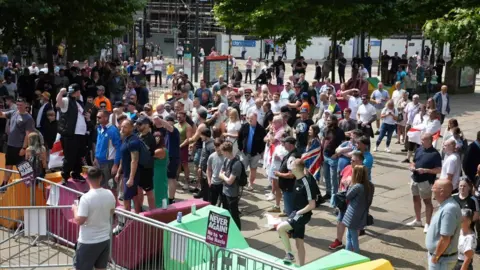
{"x":232,"y":128}
{"x":358,"y":197}
{"x":273,"y":157}
{"x":36,"y":154}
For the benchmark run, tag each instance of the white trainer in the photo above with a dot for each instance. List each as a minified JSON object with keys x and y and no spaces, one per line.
{"x":375,"y":149}
{"x":388,"y":150}
{"x":415,"y":223}
{"x":425,"y":229}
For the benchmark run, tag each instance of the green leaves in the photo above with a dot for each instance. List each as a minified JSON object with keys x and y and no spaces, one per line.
{"x":460,"y":28}
{"x":84,"y":24}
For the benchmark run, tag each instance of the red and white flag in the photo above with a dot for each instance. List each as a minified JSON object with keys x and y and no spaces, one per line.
{"x":56,"y":154}
{"x":415,"y":133}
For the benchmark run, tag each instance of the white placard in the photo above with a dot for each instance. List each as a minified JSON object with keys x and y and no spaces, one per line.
{"x":35,"y":221}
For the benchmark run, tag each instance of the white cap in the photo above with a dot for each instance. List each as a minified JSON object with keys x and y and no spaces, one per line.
{"x":180,"y":71}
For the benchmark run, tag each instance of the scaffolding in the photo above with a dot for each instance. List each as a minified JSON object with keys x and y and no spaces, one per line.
{"x":167,"y":15}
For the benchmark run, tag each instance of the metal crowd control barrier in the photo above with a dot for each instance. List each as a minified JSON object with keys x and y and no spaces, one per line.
{"x":44,"y":236}
{"x":157,"y":245}
{"x":31,"y":243}
{"x":236,"y":259}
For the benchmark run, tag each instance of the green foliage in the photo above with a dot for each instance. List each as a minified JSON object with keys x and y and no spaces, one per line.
{"x":460,"y":28}
{"x":85,"y":24}
{"x":302,"y":19}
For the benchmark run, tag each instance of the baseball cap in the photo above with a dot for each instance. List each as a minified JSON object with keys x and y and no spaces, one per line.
{"x":180,"y":71}
{"x":303,"y":110}
{"x":304,"y":95}
{"x":118,"y":104}
{"x":73,"y":88}
{"x":169,"y":118}
{"x":290,"y":140}
{"x":143,"y":120}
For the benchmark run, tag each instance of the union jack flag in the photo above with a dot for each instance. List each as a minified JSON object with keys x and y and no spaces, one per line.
{"x":313,"y":159}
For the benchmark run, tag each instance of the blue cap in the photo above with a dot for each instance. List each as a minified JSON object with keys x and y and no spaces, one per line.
{"x":304,"y":95}
{"x":303,"y":110}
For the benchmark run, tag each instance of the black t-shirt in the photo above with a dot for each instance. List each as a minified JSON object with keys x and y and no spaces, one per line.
{"x":342,"y":63}
{"x":395,"y":63}
{"x":149,"y":141}
{"x":305,"y":190}
{"x":302,"y":126}
{"x":468,"y":203}
{"x":385,"y":60}
{"x":293,"y":98}
{"x":426,"y":159}
{"x":299,"y":67}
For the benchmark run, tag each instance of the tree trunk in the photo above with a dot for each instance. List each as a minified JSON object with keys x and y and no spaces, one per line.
{"x":333,"y":55}
{"x":362,"y":45}
{"x":298,"y":50}
{"x":432,"y":54}
{"x":49,"y":49}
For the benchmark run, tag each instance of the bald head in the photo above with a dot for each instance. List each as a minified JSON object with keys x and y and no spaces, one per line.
{"x":442,"y":188}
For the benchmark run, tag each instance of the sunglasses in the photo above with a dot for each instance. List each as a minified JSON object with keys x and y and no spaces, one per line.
{"x":176,"y":94}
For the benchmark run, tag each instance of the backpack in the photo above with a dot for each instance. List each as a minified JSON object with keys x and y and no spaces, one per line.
{"x":145,"y":158}
{"x":242,"y":180}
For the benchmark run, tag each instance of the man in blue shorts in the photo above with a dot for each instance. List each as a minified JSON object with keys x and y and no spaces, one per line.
{"x":127,"y":171}
{"x":172,"y":143}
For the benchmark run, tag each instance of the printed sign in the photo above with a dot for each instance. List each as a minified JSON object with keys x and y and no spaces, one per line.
{"x":217,"y":229}
{"x":26,"y":172}
{"x":244,"y":43}
{"x":375,"y":43}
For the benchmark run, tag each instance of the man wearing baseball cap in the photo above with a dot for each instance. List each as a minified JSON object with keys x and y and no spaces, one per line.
{"x":72,"y":126}
{"x":302,"y":125}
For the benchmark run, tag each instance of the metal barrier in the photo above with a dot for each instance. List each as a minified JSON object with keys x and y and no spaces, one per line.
{"x":157,"y":245}
{"x":236,"y":259}
{"x":43,"y":236}
{"x":31,"y":242}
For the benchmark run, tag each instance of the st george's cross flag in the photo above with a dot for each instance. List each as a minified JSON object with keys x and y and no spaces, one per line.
{"x":415,"y":133}
{"x":56,"y":154}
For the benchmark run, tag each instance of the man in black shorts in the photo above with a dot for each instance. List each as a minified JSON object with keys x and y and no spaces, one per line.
{"x":146,"y":180}
{"x":305,"y":194}
{"x":172,"y":143}
{"x":21,"y":124}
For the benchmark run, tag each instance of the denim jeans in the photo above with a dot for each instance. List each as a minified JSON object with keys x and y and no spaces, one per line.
{"x":386,"y":129}
{"x":330,"y":173}
{"x":288,"y":201}
{"x":444,"y":263}
{"x":352,"y":240}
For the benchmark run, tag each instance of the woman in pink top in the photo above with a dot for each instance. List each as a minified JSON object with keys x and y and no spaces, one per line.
{"x":342,"y":102}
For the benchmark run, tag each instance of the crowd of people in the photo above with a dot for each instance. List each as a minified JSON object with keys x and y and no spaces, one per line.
{"x":302,"y":136}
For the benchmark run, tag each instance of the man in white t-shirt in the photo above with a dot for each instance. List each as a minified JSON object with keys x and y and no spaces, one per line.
{"x":247,"y":103}
{"x":366,"y":115}
{"x":158,"y":68}
{"x":451,"y":166}
{"x":187,"y":102}
{"x":354,"y":101}
{"x":397,"y":94}
{"x":258,"y":110}
{"x":93,"y":213}
{"x":72,"y":127}
{"x":33,"y":69}
{"x":276,"y":104}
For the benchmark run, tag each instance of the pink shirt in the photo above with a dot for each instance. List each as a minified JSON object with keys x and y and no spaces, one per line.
{"x":342,"y":103}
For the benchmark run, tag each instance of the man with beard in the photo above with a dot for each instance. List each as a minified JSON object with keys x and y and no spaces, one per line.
{"x":45,"y":106}
{"x":101,"y":101}
{"x":186,"y":132}
{"x":332,"y":138}
{"x":72,"y":127}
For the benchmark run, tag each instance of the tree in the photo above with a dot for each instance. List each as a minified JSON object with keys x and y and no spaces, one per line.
{"x":84,"y":24}
{"x":459,"y":28}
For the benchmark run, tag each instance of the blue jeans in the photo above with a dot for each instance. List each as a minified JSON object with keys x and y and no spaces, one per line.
{"x":352,"y":240}
{"x":288,"y":201}
{"x":388,"y":130}
{"x":444,"y":263}
{"x":330,"y":173}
